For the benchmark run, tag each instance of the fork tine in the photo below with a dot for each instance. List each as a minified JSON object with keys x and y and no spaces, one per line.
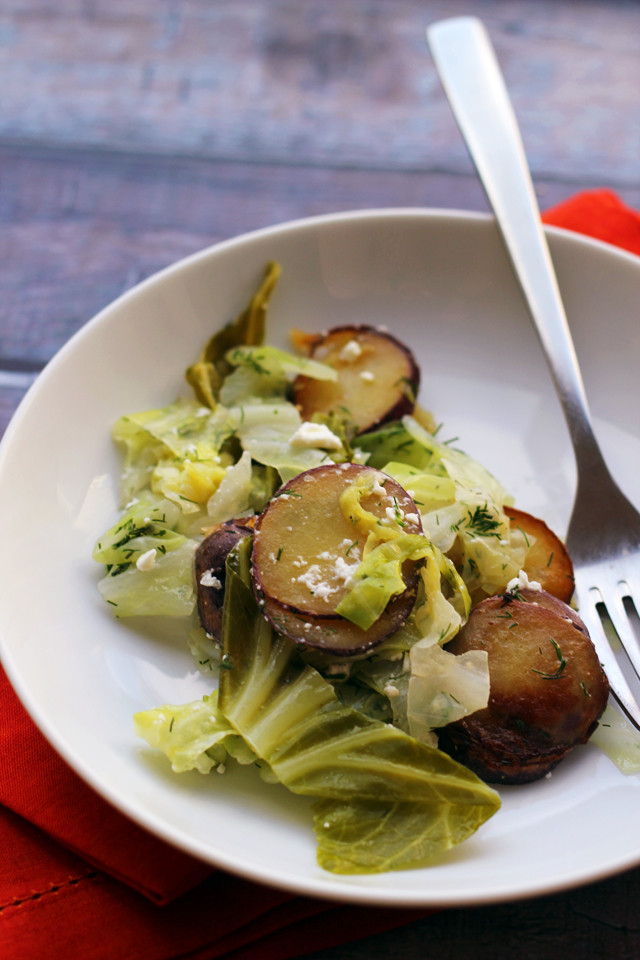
{"x":617,"y":681}
{"x":620,"y":619}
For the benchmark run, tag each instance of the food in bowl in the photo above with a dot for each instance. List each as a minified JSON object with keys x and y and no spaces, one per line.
{"x":339,"y":550}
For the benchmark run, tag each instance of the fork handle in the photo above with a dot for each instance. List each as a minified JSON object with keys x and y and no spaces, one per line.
{"x":476,"y":91}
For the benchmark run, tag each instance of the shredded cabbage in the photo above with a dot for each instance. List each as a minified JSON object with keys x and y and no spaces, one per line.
{"x":194,"y":736}
{"x":265,"y":430}
{"x":165,"y":589}
{"x":619,"y":739}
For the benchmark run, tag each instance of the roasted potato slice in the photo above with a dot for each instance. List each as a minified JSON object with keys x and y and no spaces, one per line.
{"x":548,"y":688}
{"x":547,"y":560}
{"x":378,"y":378}
{"x":210,"y":571}
{"x":305,"y":550}
{"x":336,"y":634}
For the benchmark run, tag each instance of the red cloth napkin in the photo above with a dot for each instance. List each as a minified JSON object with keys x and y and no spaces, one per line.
{"x":79,"y":880}
{"x":599,"y":214}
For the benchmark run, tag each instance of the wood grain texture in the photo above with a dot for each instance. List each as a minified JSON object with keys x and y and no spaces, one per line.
{"x":82,"y":226}
{"x":347,"y":83}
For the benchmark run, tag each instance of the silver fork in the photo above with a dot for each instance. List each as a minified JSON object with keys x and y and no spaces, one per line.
{"x":604,"y":532}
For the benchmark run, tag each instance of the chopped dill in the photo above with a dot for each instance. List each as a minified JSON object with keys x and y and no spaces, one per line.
{"x":562,"y":664}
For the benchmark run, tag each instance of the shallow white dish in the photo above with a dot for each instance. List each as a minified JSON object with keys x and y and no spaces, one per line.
{"x":441,"y":281}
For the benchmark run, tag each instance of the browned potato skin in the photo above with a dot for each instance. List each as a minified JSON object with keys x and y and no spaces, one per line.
{"x":546,"y":599}
{"x":547,"y":560}
{"x":211,"y":556}
{"x":537,"y":711}
{"x":336,"y":634}
{"x":368,"y":404}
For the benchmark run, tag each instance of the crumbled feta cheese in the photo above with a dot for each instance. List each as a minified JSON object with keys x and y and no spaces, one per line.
{"x":221,"y":768}
{"x":208,"y":579}
{"x":522,"y":582}
{"x":378,"y":489}
{"x":147,"y":561}
{"x":315,"y":435}
{"x":391,"y":691}
{"x":412,"y":518}
{"x":313,"y":578}
{"x":352,"y":550}
{"x":350,"y":352}
{"x":367,"y":376}
{"x":395,"y":515}
{"x":344,"y":571}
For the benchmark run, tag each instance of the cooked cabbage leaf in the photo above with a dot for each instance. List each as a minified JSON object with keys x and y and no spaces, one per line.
{"x":265,"y":430}
{"x":165,"y":589}
{"x":272,"y":362}
{"x":444,"y":687}
{"x":378,"y":576}
{"x":618,"y":738}
{"x":355,"y":766}
{"x":148,"y":523}
{"x":208,"y":372}
{"x":194,"y":736}
{"x":166,"y":437}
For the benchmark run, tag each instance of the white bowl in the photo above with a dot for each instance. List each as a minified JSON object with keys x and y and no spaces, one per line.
{"x":442,"y":283}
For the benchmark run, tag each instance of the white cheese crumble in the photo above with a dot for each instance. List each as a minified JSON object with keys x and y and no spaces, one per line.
{"x":378,"y":490}
{"x":367,"y":376}
{"x":522,"y":582}
{"x":350,"y":352}
{"x":395,"y":515}
{"x":341,"y":572}
{"x":353,"y":551}
{"x":344,"y":571}
{"x":147,"y":561}
{"x":208,"y":579}
{"x":314,"y":580}
{"x":315,"y":435}
{"x":391,"y":691}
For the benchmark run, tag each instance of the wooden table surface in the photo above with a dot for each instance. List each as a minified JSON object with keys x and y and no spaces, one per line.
{"x":134,"y":132}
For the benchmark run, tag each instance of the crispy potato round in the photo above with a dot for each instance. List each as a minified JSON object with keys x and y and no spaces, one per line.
{"x":548,"y":688}
{"x":305,"y":551}
{"x":210,"y":571}
{"x":378,"y":378}
{"x":547,"y":560}
{"x":337,"y":635}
